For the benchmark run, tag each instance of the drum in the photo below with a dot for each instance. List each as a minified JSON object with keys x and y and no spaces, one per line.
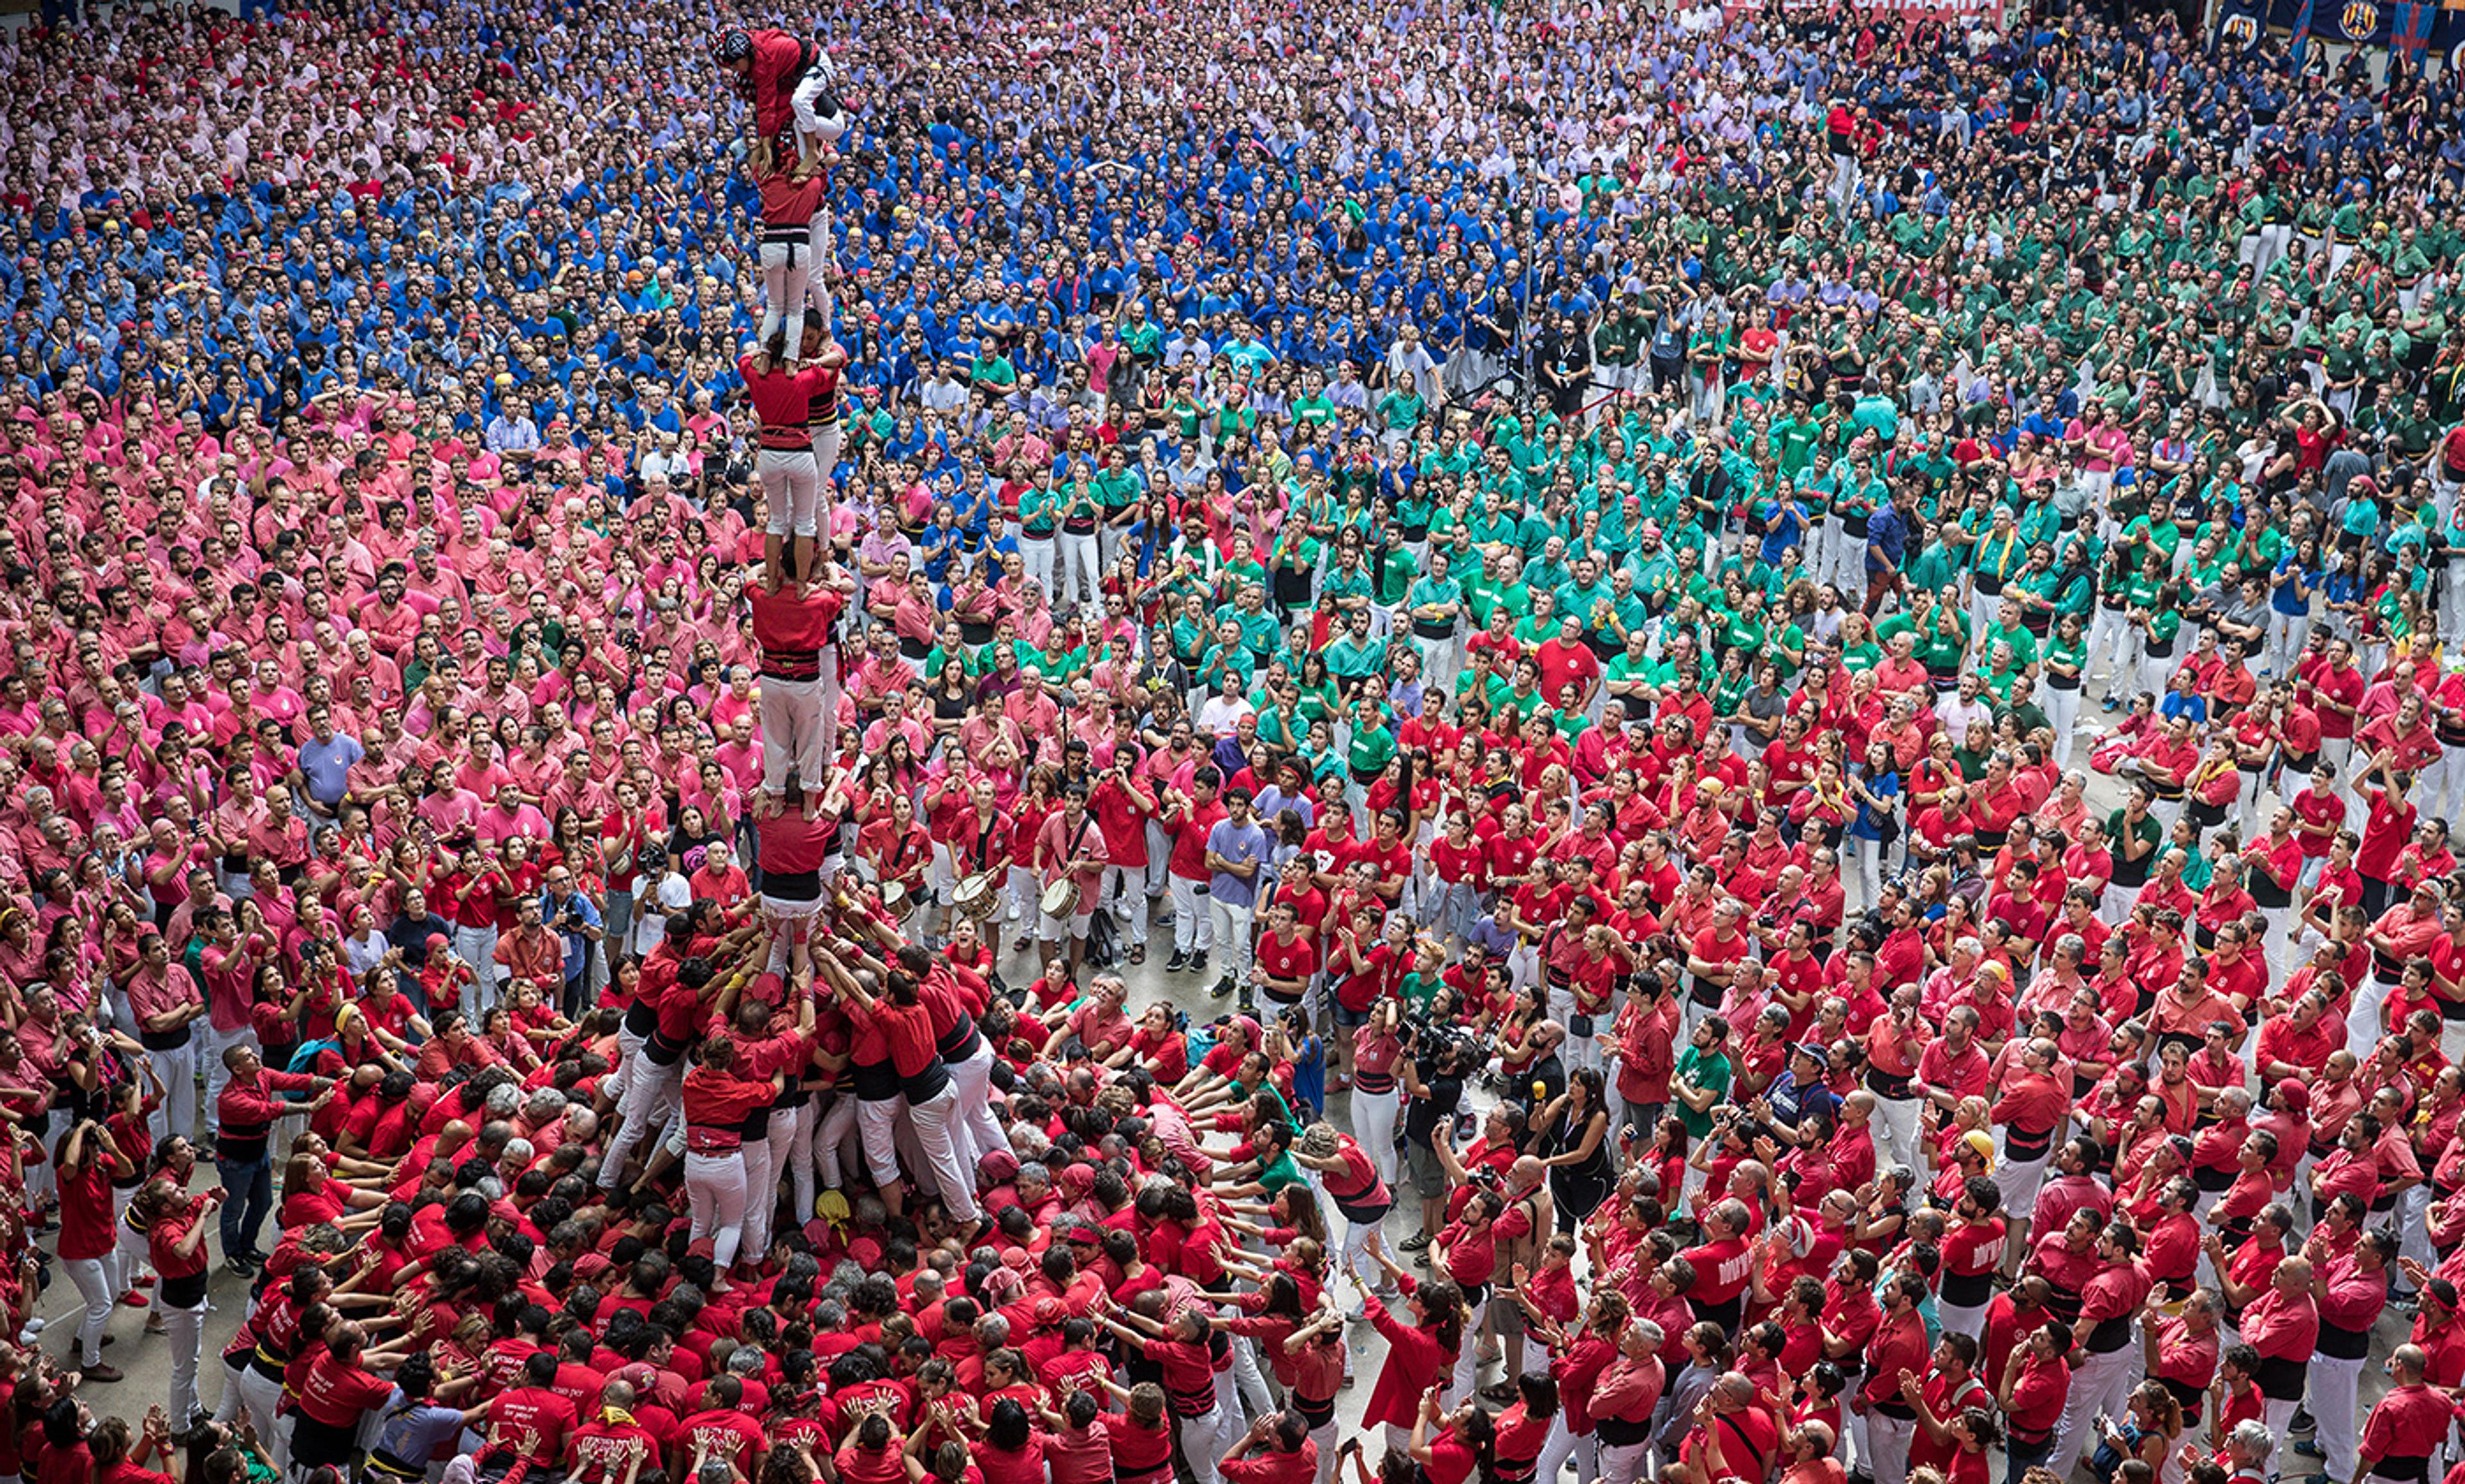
{"x":894,"y":898}
{"x":975,"y":895}
{"x":1061,"y":899}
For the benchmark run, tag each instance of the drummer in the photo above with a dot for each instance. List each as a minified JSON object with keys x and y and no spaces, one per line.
{"x":977,"y":839}
{"x":1069,"y":861}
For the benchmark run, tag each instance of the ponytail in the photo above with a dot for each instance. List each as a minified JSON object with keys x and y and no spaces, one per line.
{"x":1444,"y":1305}
{"x":1480,"y":1431}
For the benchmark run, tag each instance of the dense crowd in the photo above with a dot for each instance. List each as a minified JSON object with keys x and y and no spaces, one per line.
{"x":625,"y":627}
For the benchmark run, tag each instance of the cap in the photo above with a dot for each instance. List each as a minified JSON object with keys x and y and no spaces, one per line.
{"x":1982,"y":1143}
{"x":2295,"y":1095}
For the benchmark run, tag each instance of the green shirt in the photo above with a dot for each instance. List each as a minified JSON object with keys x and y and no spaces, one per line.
{"x":1709,"y":1074}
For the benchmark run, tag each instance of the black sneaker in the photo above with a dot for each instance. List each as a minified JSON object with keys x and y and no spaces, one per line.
{"x":239,"y":1266}
{"x":1198,"y":964}
{"x":1223,"y":986}
{"x":1177,"y":962}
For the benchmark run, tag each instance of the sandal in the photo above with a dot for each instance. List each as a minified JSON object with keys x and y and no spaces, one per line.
{"x":1137,"y":954}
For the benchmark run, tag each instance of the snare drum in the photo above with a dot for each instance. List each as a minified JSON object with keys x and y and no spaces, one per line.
{"x":894,"y":898}
{"x":975,"y":897}
{"x":1061,"y":899}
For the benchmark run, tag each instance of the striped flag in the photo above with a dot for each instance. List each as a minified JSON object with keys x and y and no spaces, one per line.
{"x":2301,"y":30}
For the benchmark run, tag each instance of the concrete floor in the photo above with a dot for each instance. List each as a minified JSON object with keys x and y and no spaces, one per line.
{"x":146,"y":1361}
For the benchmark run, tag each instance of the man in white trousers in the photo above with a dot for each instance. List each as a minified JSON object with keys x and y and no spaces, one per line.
{"x":795,"y":628}
{"x":974,"y":1131}
{"x":2105,"y":1347}
{"x":655,"y":1086}
{"x":165,"y":1008}
{"x":1180,"y":1346}
{"x":1237,"y":849}
{"x":1886,"y":1421}
{"x":2351,"y":1292}
{"x":1624,"y":1400}
{"x":923,"y":1079}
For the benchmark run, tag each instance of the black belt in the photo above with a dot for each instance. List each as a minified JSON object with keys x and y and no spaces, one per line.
{"x":164,"y":1040}
{"x":792,"y":665}
{"x":705,"y":1138}
{"x":2414,"y":1468}
{"x":2021,"y":1146}
{"x":2109,"y":1335}
{"x":1884,"y":1084}
{"x":1969,"y":1290}
{"x":2338,"y":1344}
{"x":961,"y":1041}
{"x":2281,"y":1377}
{"x":792,"y":885}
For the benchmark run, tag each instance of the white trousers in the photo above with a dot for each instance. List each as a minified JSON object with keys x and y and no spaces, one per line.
{"x":715,"y":1189}
{"x":1231,"y":921}
{"x":1373,"y":1124}
{"x":1036,"y":554}
{"x":2329,"y":1395}
{"x":2443,"y":785}
{"x":794,"y":730}
{"x":97,"y":1283}
{"x":2098,"y":1385}
{"x":2363,"y":1024}
{"x":178,"y":1070}
{"x":877,"y":1124}
{"x":932,"y":1119}
{"x":785,"y":268}
{"x":1957,"y":1320}
{"x":1204,"y":1440}
{"x":1559,"y":1446}
{"x":765,"y":1157}
{"x":791,"y":486}
{"x":1624,"y":1463}
{"x":2062,"y":713}
{"x":1899,"y":1134}
{"x":1889,"y":1438}
{"x":260,"y":1397}
{"x":185,"y":1330}
{"x":974,"y":1131}
{"x":652,"y":1094}
{"x":1193,"y":926}
{"x":1079,"y":565}
{"x":476,"y":946}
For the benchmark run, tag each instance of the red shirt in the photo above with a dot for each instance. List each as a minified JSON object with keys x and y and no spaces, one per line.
{"x":337,"y":1392}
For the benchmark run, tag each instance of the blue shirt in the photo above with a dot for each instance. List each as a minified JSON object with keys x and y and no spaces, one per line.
{"x":326,"y":766}
{"x":1239,"y":844}
{"x":577,"y":945}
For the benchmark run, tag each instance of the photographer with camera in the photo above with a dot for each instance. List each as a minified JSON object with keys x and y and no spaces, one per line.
{"x":1437,"y":1065}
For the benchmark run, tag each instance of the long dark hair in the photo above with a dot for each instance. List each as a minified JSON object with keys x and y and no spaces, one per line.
{"x":1443,"y":1302}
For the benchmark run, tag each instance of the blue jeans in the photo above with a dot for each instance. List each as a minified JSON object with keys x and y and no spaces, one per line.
{"x":2023,"y":1458}
{"x":249,"y":1184}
